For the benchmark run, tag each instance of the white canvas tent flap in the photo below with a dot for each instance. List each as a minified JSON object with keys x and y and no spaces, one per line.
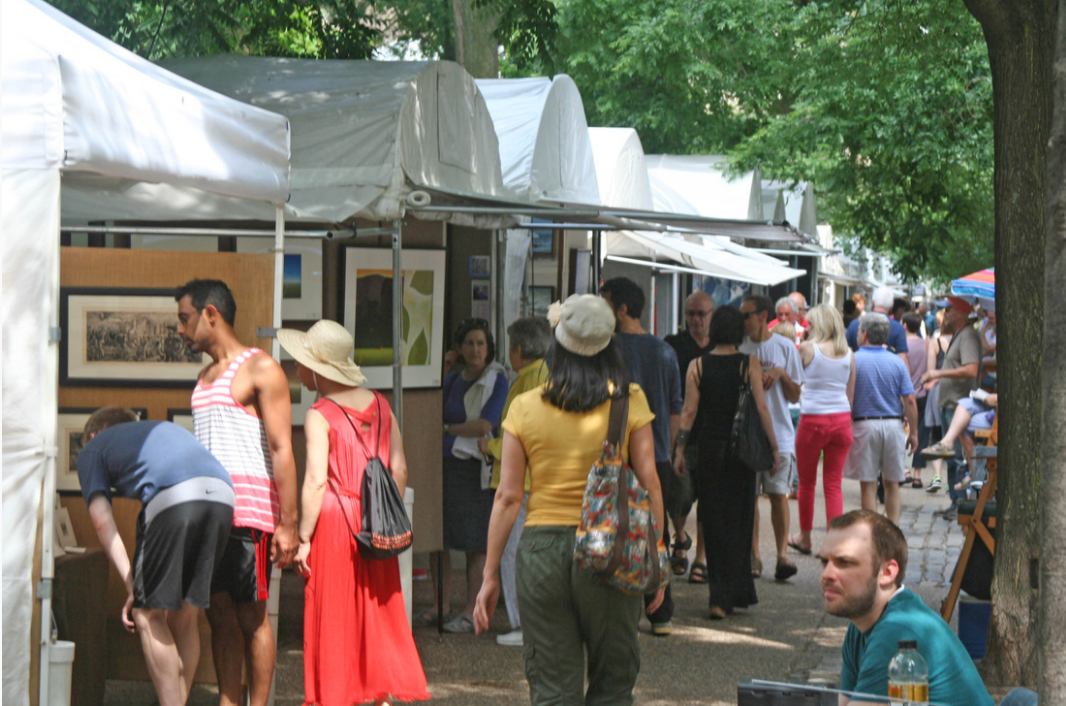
{"x":73,"y":103}
{"x":545,"y":152}
{"x":792,"y":203}
{"x":697,"y":184}
{"x":365,"y":134}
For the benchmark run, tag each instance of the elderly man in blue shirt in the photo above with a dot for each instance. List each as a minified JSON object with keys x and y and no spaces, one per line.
{"x":884,"y":396}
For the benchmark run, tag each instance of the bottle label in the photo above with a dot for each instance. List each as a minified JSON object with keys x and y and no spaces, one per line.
{"x":908,"y":693}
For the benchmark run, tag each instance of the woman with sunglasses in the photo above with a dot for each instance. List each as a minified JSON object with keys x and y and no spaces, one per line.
{"x":473,"y":401}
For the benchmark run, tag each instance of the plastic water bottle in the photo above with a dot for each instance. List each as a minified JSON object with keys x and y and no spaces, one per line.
{"x":908,"y":676}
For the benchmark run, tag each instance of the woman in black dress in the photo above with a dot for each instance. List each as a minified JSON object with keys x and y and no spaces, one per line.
{"x":726,"y":488}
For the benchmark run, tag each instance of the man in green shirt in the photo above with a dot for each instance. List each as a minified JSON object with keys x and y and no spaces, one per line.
{"x":864,"y":559}
{"x":530,"y":339}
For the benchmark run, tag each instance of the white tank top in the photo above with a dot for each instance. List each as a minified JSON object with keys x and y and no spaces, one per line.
{"x":825,"y":384}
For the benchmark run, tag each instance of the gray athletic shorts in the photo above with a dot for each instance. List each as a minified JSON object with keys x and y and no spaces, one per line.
{"x":779,"y":483}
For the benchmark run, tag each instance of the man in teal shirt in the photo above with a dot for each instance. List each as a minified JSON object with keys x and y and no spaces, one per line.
{"x":864,"y":559}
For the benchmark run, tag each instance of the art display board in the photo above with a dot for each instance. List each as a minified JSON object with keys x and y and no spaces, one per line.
{"x":251,"y":279}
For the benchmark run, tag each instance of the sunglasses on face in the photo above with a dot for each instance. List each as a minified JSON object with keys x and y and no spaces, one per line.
{"x":749,"y":314}
{"x":693,"y":314}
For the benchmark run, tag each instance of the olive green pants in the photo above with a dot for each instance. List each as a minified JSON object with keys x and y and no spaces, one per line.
{"x":568,"y":613}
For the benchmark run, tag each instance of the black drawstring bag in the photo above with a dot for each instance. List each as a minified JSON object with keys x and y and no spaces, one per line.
{"x":386,"y":529}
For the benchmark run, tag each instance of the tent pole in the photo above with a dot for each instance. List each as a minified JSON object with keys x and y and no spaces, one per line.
{"x":597,"y":259}
{"x":279,"y":276}
{"x":675,"y":303}
{"x":397,"y":322}
{"x":499,"y":264}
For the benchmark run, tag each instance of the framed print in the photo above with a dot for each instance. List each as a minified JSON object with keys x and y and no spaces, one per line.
{"x":70,"y":439}
{"x":542,"y":298}
{"x":480,"y":300}
{"x":368,"y":314}
{"x":123,"y":336}
{"x":300,"y":397}
{"x":480,"y":266}
{"x":543,"y":239}
{"x":63,"y":528}
{"x":181,"y":417}
{"x":301,"y":287}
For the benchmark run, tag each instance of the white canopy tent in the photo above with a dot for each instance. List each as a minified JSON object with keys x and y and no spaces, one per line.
{"x":365,"y":136}
{"x":625,"y":182}
{"x":76,"y":105}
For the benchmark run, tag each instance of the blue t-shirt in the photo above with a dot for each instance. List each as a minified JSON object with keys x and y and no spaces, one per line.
{"x":653,"y":364}
{"x":953,"y":679}
{"x":881,"y":379}
{"x":138,"y":459}
{"x":455,"y":389}
{"x":897,"y":336}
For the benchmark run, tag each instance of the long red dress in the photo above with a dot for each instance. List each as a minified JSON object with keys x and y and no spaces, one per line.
{"x":357,"y":642}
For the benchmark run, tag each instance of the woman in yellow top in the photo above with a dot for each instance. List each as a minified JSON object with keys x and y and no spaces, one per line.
{"x":529,"y":341}
{"x":569,"y":613}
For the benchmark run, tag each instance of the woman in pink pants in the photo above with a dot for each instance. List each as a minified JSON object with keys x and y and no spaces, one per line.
{"x":825,"y":418}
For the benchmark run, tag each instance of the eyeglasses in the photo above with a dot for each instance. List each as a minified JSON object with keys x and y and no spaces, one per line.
{"x":701,"y":314}
{"x":749,"y":314}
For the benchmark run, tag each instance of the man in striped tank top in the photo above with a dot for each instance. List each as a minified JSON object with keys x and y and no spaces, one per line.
{"x":242,"y":414}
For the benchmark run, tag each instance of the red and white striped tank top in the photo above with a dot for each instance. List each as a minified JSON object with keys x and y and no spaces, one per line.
{"x":238,"y":440}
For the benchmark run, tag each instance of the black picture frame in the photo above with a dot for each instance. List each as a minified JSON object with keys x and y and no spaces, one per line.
{"x":123,"y":337}
{"x":541,"y":297}
{"x":543,"y":239}
{"x":69,"y":422}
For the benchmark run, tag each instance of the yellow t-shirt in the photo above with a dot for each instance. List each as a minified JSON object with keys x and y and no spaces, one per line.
{"x":560,"y":450}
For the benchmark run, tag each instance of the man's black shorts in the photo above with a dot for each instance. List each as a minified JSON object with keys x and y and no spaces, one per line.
{"x":244,"y":572}
{"x":180,"y":540}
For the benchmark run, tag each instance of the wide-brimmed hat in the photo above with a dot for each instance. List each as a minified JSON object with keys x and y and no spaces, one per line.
{"x":326,"y":349}
{"x":584,"y":323}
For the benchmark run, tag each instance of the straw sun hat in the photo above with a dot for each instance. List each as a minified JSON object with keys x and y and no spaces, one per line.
{"x":326,"y":349}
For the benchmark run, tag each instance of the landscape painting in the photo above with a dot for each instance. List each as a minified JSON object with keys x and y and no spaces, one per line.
{"x":368,"y":314}
{"x":118,"y":336}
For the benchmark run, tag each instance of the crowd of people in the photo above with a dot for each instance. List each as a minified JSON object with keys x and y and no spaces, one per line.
{"x":854,"y":393}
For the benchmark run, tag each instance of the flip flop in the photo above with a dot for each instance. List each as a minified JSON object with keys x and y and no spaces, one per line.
{"x":698,"y":573}
{"x":795,"y":545}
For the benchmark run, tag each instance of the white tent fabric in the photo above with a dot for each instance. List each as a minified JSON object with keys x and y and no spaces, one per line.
{"x":793,"y":203}
{"x":365,"y":134}
{"x":152,"y":126}
{"x":545,"y":152}
{"x":625,"y":182}
{"x":697,"y":184}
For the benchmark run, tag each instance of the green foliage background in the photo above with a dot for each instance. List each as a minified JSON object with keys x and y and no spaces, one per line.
{"x":885,"y":106}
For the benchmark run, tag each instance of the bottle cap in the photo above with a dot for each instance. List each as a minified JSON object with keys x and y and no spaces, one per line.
{"x":908,"y":644}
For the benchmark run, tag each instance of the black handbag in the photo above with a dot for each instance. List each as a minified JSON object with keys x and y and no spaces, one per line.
{"x":748,"y":440}
{"x":386,"y":529}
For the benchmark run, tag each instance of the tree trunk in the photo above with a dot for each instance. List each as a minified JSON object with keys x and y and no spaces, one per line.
{"x":1051,"y":647}
{"x":1021,"y":45}
{"x":476,"y":48}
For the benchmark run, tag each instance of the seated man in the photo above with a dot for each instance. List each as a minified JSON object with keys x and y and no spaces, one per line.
{"x":187,"y":509}
{"x":864,"y":559}
{"x":970,"y":416}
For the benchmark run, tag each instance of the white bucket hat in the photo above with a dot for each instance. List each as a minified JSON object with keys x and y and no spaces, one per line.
{"x":584,"y":323}
{"x":325,"y":348}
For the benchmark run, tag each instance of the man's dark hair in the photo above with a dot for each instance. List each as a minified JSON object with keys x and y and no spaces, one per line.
{"x":763,"y":303}
{"x":475,"y":324}
{"x":625,"y":291}
{"x":727,"y":327}
{"x":108,"y":417}
{"x":888,"y":540}
{"x":900,"y":304}
{"x":579,"y":383}
{"x":849,"y":307}
{"x":202,"y":292}
{"x":533,"y":334}
{"x":912,"y":321}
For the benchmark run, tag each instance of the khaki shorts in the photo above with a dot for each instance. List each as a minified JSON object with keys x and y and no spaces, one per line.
{"x":779,"y":483}
{"x":880,"y":445}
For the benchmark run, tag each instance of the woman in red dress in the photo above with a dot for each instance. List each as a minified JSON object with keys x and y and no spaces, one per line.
{"x":358,"y":646}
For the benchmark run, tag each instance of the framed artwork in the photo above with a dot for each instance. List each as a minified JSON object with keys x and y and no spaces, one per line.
{"x":480,"y":299}
{"x":63,"y":528}
{"x":181,"y":417}
{"x":543,"y":239}
{"x":300,"y":396}
{"x":480,"y":266}
{"x":301,"y":287}
{"x":123,"y":336}
{"x":368,"y":314}
{"x":542,"y":298}
{"x":71,"y":439}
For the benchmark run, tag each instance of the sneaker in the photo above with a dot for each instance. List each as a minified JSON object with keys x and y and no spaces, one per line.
{"x":662,"y":629}
{"x":935,"y":485}
{"x":510,"y":639}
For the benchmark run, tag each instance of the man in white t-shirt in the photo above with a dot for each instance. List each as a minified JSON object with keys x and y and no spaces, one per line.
{"x":782,"y":377}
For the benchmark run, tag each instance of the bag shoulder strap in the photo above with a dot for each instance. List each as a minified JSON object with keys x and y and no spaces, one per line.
{"x":355,"y":429}
{"x":618,"y":416}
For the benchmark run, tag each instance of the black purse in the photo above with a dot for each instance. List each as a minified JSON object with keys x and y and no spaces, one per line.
{"x":748,"y":441}
{"x":386,"y":529}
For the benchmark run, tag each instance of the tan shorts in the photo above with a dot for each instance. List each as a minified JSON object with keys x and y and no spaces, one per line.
{"x":880,"y":445}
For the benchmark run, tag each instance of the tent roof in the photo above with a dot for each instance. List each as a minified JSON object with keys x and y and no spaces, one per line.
{"x":365,"y":134}
{"x":696,"y":184}
{"x":545,"y":151}
{"x":75,"y":101}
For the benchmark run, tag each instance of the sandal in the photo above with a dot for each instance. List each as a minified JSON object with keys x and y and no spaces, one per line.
{"x":795,"y":545}
{"x":698,"y":573}
{"x":426,"y":618}
{"x":756,"y":568}
{"x":938,"y":450}
{"x":462,"y":623}
{"x":785,"y":570}
{"x":916,"y":483}
{"x":679,"y":564}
